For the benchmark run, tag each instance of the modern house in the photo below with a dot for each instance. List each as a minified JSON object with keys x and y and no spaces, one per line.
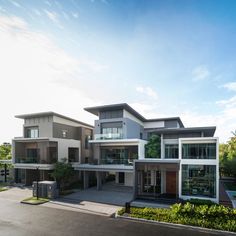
{"x":186,"y":167}
{"x":48,"y":137}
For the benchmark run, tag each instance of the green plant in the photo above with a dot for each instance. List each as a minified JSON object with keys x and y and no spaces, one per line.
{"x":153,"y":147}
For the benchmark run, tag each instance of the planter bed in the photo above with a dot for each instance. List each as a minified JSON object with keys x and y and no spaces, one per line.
{"x":206,"y":216}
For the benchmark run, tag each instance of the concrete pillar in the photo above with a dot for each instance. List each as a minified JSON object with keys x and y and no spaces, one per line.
{"x":86,"y":179}
{"x":162,"y":147}
{"x":163,"y":181}
{"x":99,"y":180}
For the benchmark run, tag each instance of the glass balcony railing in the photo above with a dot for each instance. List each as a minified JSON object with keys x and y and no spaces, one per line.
{"x":34,"y":160}
{"x":108,"y":136}
{"x":29,"y":160}
{"x":115,"y":161}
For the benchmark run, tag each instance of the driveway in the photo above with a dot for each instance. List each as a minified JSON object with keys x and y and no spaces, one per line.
{"x":103,"y":202}
{"x":16,"y":193}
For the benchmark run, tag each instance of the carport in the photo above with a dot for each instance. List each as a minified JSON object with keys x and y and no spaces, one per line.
{"x":86,"y":169}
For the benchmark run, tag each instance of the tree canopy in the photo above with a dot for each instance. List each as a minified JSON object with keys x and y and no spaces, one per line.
{"x":228,"y":157}
{"x":62,"y":173}
{"x":5,"y":151}
{"x":153,"y":147}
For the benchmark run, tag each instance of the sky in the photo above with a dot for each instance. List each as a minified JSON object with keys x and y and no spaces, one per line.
{"x":164,"y":58}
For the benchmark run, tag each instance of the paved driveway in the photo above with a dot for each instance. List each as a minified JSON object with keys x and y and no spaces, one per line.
{"x":16,"y":193}
{"x":104,"y":202}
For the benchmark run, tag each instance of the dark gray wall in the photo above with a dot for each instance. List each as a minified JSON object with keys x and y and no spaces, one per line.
{"x":171,"y":123}
{"x":72,"y":132}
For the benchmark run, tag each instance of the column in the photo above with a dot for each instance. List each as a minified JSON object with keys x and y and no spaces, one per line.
{"x":162,"y":147}
{"x":86,"y":179}
{"x":99,"y":180}
{"x":163,"y":181}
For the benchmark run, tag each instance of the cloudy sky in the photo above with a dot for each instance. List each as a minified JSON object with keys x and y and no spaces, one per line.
{"x":164,"y":58}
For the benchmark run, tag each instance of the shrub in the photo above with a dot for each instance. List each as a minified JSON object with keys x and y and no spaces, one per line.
{"x":208,"y":216}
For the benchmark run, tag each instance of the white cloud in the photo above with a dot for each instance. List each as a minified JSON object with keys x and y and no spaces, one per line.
{"x":147,"y":91}
{"x":53,"y":16}
{"x":200,"y":73}
{"x":75,"y":14}
{"x":30,"y":65}
{"x":230,"y":86}
{"x":16,"y":4}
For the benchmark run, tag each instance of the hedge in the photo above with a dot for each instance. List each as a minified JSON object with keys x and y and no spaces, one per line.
{"x":207,"y":216}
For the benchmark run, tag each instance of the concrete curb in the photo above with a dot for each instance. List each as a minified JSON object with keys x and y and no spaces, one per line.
{"x":205,"y":230}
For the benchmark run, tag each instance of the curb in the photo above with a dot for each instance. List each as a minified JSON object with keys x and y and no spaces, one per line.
{"x":34,"y":204}
{"x":206,"y":230}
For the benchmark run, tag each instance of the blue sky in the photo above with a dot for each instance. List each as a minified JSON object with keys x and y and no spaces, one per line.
{"x":164,"y":58}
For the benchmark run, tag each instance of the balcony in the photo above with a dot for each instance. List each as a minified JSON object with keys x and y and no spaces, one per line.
{"x":108,"y":136}
{"x":35,"y":160}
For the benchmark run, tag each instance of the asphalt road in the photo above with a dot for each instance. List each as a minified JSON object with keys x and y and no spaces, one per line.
{"x":19,"y":219}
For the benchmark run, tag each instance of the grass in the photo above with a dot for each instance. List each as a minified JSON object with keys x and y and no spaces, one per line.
{"x":3,"y":187}
{"x":230,"y":186}
{"x":35,"y":201}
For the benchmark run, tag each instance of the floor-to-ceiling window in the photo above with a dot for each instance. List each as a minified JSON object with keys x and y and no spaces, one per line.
{"x":199,"y":151}
{"x":171,"y":151}
{"x":199,"y":180}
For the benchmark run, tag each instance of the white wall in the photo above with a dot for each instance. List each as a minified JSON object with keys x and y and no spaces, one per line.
{"x":126,"y":114}
{"x":154,"y":124}
{"x":64,"y":144}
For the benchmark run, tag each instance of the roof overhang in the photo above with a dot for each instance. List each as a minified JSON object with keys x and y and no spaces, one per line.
{"x":207,"y":131}
{"x":34,"y":166}
{"x":103,"y":168}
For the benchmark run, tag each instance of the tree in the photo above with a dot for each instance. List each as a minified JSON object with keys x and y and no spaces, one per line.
{"x":153,"y":147}
{"x":62,"y":173}
{"x":228,"y":158}
{"x":5,"y":151}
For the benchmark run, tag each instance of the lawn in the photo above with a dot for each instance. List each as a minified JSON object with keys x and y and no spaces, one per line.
{"x":207,"y":216}
{"x":230,"y":186}
{"x":35,"y":201}
{"x":3,"y":187}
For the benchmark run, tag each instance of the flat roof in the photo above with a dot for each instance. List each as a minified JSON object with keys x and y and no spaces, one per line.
{"x":208,"y":131}
{"x":95,"y":111}
{"x":50,"y":113}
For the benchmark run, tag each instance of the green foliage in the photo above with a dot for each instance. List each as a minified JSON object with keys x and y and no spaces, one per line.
{"x":62,"y":173}
{"x":153,"y":147}
{"x":197,"y":201}
{"x":228,"y":158}
{"x":5,"y":151}
{"x":209,"y":216}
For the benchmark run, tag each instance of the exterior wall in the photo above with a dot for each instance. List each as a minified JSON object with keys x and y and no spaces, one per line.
{"x":154,"y":124}
{"x":129,"y":181}
{"x":171,"y":124}
{"x":128,"y":115}
{"x":86,"y":153}
{"x":132,"y":129}
{"x":43,"y":123}
{"x":64,"y":121}
{"x":64,"y":144}
{"x":72,"y":131}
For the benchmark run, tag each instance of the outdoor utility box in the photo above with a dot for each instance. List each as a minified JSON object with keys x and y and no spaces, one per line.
{"x":46,"y":189}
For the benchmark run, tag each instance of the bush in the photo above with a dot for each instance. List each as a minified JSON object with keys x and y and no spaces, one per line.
{"x":209,"y":216}
{"x":196,"y":201}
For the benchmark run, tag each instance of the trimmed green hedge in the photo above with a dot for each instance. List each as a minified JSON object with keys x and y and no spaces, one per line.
{"x":208,"y":216}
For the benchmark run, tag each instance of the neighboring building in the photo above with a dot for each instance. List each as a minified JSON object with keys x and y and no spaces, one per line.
{"x":188,"y":165}
{"x":188,"y":162}
{"x":48,"y":137}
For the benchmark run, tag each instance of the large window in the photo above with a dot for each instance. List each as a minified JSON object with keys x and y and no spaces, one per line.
{"x":199,"y":151}
{"x":73,"y":154}
{"x":199,"y":180}
{"x":119,"y":155}
{"x":32,"y":132}
{"x":111,"y":114}
{"x":171,"y":151}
